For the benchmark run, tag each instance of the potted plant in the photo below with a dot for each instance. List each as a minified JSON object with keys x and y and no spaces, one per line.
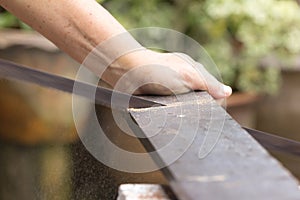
{"x":259,"y":38}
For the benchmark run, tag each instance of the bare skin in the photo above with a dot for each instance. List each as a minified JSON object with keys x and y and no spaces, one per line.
{"x":78,"y":26}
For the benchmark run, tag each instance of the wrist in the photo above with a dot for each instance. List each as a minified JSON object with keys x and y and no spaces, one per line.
{"x":125,"y":63}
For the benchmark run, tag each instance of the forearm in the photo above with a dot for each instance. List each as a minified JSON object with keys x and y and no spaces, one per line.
{"x":78,"y":26}
{"x":75,"y":26}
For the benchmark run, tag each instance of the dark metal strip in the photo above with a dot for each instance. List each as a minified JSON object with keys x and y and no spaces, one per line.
{"x":273,"y":142}
{"x":10,"y":70}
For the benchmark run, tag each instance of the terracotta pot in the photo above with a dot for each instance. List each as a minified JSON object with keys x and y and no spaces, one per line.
{"x":31,"y":114}
{"x":242,"y":107}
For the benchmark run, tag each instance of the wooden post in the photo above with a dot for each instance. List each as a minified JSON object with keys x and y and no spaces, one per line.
{"x":236,"y":168}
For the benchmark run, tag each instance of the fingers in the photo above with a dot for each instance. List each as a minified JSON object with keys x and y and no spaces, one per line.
{"x":220,"y":91}
{"x":151,"y":79}
{"x":169,"y":73}
{"x":215,"y":88}
{"x":196,"y":77}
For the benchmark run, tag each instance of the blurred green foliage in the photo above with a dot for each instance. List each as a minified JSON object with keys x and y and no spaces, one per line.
{"x":8,"y":20}
{"x":248,"y":40}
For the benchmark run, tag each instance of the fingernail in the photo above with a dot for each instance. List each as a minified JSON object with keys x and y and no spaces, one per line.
{"x":227,"y":90}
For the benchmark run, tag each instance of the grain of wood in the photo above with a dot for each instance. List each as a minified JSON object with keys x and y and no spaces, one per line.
{"x":236,"y":168}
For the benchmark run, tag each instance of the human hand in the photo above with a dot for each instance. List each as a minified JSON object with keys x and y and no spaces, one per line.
{"x":150,"y":72}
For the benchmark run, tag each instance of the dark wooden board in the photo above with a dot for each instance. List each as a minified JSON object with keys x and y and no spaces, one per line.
{"x":236,"y":168}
